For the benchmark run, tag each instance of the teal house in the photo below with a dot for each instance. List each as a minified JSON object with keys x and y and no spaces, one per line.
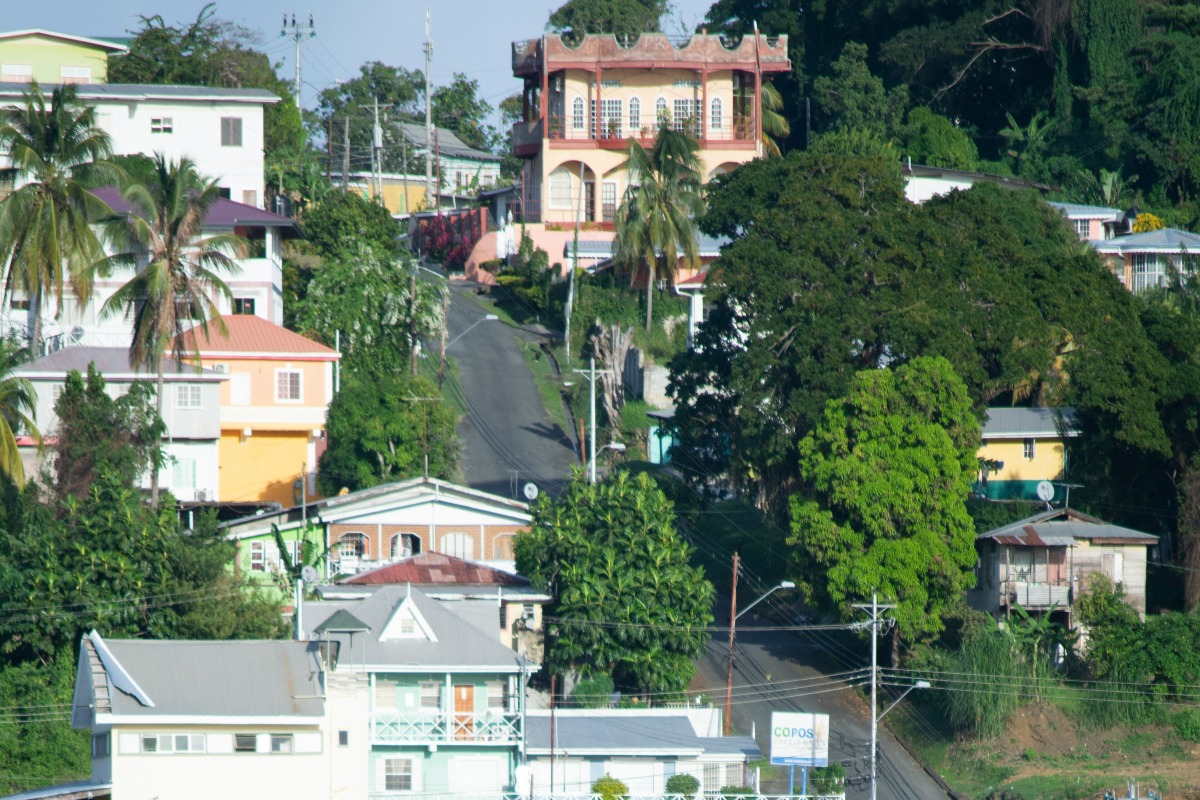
{"x":445,"y":698}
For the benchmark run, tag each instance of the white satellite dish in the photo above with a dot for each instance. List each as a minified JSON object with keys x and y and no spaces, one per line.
{"x":530,"y":490}
{"x":309,"y":575}
{"x":1045,"y":491}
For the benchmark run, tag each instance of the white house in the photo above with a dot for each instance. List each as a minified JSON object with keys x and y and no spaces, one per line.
{"x":201,"y":719}
{"x":462,"y":168}
{"x":191,"y":412}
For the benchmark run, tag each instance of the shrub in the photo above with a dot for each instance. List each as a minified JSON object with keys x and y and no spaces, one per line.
{"x":609,"y":788}
{"x":682,"y":783}
{"x":827,"y":780}
{"x":976,"y":702}
{"x":594,"y":692}
{"x":729,"y":792}
{"x":1187,"y":725}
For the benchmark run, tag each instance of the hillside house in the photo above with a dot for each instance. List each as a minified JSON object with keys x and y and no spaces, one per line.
{"x":1024,"y":446}
{"x":1043,"y":562}
{"x":49,"y":57}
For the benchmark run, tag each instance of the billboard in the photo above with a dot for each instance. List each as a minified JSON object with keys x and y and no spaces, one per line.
{"x":799,"y":740}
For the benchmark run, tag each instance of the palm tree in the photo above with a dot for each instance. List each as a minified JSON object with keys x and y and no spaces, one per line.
{"x":177,"y":278}
{"x":775,"y":126}
{"x":657,"y":218}
{"x":45,"y":238}
{"x":17,"y":403}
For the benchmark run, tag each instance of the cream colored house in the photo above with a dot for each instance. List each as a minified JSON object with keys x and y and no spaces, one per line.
{"x":583,"y":102}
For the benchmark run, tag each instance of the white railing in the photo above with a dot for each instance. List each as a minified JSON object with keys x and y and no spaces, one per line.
{"x":563,"y":796}
{"x":488,"y":727}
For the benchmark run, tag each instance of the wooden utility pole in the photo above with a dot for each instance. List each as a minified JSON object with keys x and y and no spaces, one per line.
{"x":732,"y":622}
{"x":412,"y":321}
{"x":329,"y":150}
{"x":445,"y":326}
{"x":345,"y":153}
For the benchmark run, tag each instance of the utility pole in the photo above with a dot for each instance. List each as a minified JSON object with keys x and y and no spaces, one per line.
{"x":428,"y":116}
{"x":445,"y":327}
{"x":876,"y":610}
{"x":298,"y":34}
{"x":377,"y":157}
{"x":345,"y":154}
{"x":732,"y":622}
{"x":297,"y":578}
{"x":412,"y":320}
{"x":329,"y":150}
{"x":425,"y":434}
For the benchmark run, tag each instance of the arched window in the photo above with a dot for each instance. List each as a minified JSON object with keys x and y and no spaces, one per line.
{"x":577,"y":120}
{"x":661,"y":114}
{"x":635,"y":116}
{"x":405,"y":545}
{"x":715,"y":124}
{"x":352,"y":545}
{"x":459,"y":545}
{"x":561,"y":188}
{"x":502,"y":548}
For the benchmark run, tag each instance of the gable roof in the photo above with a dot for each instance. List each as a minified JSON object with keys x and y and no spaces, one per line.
{"x":224,"y":213}
{"x":104,"y":44}
{"x":436,"y":569}
{"x":445,"y":142}
{"x":1027,"y":423}
{"x":1061,"y":527}
{"x":125,"y":92}
{"x":910,"y":171}
{"x":651,"y":735}
{"x":1170,"y":240}
{"x":456,"y":644}
{"x":1083,"y":211}
{"x":113,"y":364}
{"x":250,"y":336}
{"x":161,"y":679}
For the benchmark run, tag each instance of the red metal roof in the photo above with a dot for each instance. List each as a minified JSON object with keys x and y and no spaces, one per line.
{"x":437,"y":569}
{"x":250,"y":334}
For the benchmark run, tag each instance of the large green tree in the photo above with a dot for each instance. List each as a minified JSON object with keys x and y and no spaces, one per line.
{"x":628,"y":602}
{"x":46,"y":240}
{"x":177,"y":267}
{"x":881,"y":504}
{"x":656,"y":220}
{"x":342,"y":219}
{"x":349,"y":105}
{"x":458,"y":107}
{"x":625,"y":18}
{"x":387,"y":428}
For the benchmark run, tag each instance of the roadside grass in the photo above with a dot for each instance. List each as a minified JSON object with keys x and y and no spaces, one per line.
{"x":549,"y":385}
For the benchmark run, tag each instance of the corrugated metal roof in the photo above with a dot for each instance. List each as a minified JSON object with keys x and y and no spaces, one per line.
{"x":625,"y":732}
{"x":446,"y":142}
{"x":250,"y":334}
{"x":459,"y":643}
{"x":111,"y":362}
{"x":1018,"y":423}
{"x":1082,"y":211}
{"x":1167,"y":239}
{"x":67,"y":791}
{"x":218,"y":679}
{"x":1061,"y":526}
{"x":437,"y":569}
{"x":147,"y":91}
{"x":706,"y":246}
{"x":223,"y":213}
{"x":342,"y":622}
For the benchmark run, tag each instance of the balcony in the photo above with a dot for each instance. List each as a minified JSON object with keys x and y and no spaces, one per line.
{"x":1037,"y":594}
{"x":490,"y":727}
{"x":615,"y":133}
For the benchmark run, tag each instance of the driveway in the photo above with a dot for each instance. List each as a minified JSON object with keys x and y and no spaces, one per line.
{"x":508,"y":440}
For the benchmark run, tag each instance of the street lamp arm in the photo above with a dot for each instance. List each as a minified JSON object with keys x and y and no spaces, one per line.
{"x":487,"y":318}
{"x":782,"y":585}
{"x":917,"y":685}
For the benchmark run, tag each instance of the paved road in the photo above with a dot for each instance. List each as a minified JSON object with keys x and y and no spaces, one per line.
{"x":507,"y":438}
{"x":766,"y":662}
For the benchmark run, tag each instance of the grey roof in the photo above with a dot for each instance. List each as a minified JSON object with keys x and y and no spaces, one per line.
{"x":217,"y":679}
{"x":926,"y":171}
{"x":1082,"y":211}
{"x":66,"y":791}
{"x":1061,"y":527}
{"x":146,"y":91}
{"x":707,"y":247}
{"x":652,"y":734}
{"x":459,"y":645}
{"x":1025,"y":423}
{"x":1168,"y":239}
{"x":446,"y":142}
{"x":113,"y":362}
{"x":342,"y":622}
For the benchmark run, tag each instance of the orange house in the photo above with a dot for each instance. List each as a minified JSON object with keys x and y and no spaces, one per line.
{"x":272,"y":407}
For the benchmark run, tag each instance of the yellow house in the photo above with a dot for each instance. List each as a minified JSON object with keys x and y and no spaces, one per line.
{"x":272,"y":407}
{"x":583,"y":101}
{"x":50,"y":58}
{"x":1027,"y":445}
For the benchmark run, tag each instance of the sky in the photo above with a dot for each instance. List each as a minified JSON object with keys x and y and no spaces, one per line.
{"x":470,"y":36}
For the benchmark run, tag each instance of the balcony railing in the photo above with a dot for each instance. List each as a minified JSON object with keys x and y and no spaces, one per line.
{"x":737,"y":128}
{"x":1037,"y":594}
{"x":489,"y":727}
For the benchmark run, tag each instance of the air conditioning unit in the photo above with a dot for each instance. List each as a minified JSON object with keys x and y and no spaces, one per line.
{"x":221,"y":368}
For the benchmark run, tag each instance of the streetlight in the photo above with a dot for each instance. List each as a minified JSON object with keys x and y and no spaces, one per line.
{"x":616,"y":447}
{"x":445,"y":322}
{"x":734,"y":614}
{"x":486,"y":318}
{"x":876,"y":720}
{"x":590,"y":374}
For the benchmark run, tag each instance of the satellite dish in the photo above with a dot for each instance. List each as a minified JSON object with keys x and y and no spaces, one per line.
{"x":309,"y":575}
{"x":1045,"y":491}
{"x":530,"y":490}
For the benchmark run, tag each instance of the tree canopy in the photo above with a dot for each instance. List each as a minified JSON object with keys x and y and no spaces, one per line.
{"x":628,"y":601}
{"x":625,"y":18}
{"x":342,"y":219}
{"x":458,"y":107}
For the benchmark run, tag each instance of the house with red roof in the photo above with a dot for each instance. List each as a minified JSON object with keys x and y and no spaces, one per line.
{"x":272,"y":411}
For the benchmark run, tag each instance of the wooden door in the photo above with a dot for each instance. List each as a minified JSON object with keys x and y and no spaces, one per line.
{"x":464,"y":711}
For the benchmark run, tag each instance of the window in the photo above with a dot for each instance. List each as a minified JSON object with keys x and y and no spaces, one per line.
{"x":245,"y":742}
{"x":561,"y":185}
{"x":172,"y":743}
{"x":398,"y":774}
{"x":661,"y":114}
{"x":281,"y":743}
{"x":16,"y":73}
{"x":431,"y":696}
{"x":1029,"y":449}
{"x":352,"y":545}
{"x":183,"y":474}
{"x":610,"y":115}
{"x":243,"y":305}
{"x":715,"y":122}
{"x":458,"y":545}
{"x":250,"y":197}
{"x":405,"y":545}
{"x":408,"y":626}
{"x":188,"y":396}
{"x":497,"y":695}
{"x":608,"y":200}
{"x":712,"y":777}
{"x":684,"y":118}
{"x":385,"y":693}
{"x":162,"y":125}
{"x":287,"y":385}
{"x":343,"y":738}
{"x":231,"y":131}
{"x":74,"y":74}
{"x":258,"y":556}
{"x":1147,"y":271}
{"x":577,"y":114}
{"x":1083,"y":227}
{"x":502,"y":548}
{"x":101,"y":745}
{"x":635,"y":116}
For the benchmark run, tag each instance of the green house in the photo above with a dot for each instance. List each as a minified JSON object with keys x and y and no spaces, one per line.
{"x":445,"y":711}
{"x":50,"y":58}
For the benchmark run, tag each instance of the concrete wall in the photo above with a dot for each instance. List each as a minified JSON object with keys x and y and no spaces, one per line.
{"x":47,"y":57}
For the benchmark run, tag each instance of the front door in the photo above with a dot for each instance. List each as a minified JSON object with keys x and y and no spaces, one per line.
{"x":464,"y":711}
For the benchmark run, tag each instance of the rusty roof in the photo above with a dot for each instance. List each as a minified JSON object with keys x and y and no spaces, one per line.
{"x":436,"y":569}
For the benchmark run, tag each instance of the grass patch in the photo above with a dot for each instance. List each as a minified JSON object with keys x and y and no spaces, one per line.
{"x":1056,"y":787}
{"x":549,"y":384}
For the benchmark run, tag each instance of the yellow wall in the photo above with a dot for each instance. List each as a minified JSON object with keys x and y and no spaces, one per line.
{"x":262,"y":466}
{"x":1046,"y":465}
